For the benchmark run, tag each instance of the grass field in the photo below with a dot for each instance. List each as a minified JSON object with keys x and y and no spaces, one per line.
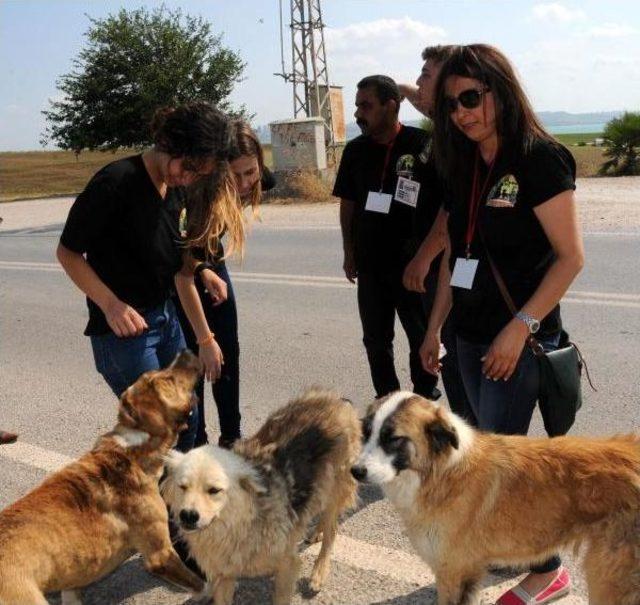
{"x":36,"y":174}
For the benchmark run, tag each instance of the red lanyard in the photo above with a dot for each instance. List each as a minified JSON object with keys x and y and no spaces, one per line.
{"x":390,"y":145}
{"x":474,"y":200}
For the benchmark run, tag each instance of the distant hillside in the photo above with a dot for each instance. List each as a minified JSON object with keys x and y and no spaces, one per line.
{"x":562,"y":118}
{"x":553,"y":120}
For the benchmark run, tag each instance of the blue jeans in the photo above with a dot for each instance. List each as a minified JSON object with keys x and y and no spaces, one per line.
{"x":451,"y":379}
{"x":500,"y":406}
{"x":121,"y":361}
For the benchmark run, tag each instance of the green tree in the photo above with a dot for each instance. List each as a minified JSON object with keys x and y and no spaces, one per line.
{"x":133,"y":63}
{"x":622,"y":142}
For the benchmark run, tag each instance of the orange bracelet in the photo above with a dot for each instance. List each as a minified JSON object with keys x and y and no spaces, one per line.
{"x":206,"y":340}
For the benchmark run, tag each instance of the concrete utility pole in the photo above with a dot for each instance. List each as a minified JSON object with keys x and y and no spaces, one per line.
{"x":312,"y":94}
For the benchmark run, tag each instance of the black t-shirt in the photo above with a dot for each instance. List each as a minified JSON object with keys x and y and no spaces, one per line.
{"x":385,"y":241}
{"x":433,"y":196}
{"x":513,"y":235}
{"x":129,"y":235}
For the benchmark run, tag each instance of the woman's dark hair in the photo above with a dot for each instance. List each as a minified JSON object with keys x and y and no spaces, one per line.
{"x":197,"y":132}
{"x":200,"y":133}
{"x":517,"y":125}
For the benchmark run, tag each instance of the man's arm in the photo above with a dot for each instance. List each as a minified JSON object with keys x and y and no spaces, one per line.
{"x":410,"y":92}
{"x":416,"y":271}
{"x":347,"y":217}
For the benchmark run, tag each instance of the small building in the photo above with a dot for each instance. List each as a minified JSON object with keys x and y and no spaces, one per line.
{"x":298,"y":144}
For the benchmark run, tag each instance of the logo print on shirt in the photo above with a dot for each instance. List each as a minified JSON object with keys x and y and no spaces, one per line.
{"x":182,"y":223}
{"x":504,"y":194}
{"x":425,"y":154}
{"x":404,"y":166}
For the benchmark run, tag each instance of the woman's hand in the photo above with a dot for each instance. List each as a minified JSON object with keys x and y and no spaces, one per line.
{"x":211,"y":357}
{"x":214,"y":285}
{"x":430,"y":353}
{"x":124,"y":320}
{"x":505,"y":350}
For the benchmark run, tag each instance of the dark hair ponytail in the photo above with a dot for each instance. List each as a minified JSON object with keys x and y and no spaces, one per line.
{"x":197,"y":132}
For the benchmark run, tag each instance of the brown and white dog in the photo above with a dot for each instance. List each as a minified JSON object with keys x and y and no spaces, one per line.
{"x":86,"y":519}
{"x":471,"y":500}
{"x":244,"y":512}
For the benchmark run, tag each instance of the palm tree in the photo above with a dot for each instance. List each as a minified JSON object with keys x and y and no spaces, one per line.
{"x":622,"y":140}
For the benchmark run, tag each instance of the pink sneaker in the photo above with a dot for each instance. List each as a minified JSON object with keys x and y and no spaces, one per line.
{"x":557,"y":588}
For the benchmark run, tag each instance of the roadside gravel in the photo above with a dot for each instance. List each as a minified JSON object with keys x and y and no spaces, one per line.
{"x":604,"y":204}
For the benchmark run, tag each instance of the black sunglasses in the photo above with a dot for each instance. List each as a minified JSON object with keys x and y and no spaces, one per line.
{"x":469,"y":99}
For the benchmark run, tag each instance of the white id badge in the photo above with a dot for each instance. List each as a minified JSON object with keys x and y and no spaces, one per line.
{"x":407,"y":191}
{"x":463,"y":272}
{"x":378,"y":202}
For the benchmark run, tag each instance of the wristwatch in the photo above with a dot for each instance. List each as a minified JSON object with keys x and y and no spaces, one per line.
{"x":532,"y":323}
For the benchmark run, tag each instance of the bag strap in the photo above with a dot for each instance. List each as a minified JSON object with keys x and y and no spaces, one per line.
{"x":583,"y":361}
{"x":535,"y":345}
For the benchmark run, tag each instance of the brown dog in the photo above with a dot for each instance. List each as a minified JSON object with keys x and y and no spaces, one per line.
{"x":244,"y":512}
{"x":471,"y":500}
{"x":88,"y":518}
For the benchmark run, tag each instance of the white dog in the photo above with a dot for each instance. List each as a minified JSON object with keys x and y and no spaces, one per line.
{"x":243,"y":513}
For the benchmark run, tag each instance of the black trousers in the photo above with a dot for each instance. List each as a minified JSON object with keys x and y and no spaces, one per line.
{"x":380,"y":296}
{"x":223,"y":321}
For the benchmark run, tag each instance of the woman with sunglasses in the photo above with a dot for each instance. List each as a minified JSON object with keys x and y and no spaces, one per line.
{"x":215,"y":292}
{"x":512,"y":202}
{"x":121,"y":245}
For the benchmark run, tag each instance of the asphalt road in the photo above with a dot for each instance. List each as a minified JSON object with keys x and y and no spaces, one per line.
{"x":298,"y":327}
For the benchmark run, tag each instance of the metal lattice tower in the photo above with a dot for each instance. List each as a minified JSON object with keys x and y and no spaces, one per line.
{"x":309,"y":73}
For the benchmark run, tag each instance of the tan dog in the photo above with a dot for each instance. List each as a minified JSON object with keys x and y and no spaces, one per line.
{"x":88,"y":518}
{"x":243,"y":513}
{"x":472,"y":500}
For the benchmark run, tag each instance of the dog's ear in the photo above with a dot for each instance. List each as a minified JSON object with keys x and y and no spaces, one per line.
{"x":252,"y":485}
{"x":128,"y":414}
{"x":172,"y":459}
{"x":440,"y":435}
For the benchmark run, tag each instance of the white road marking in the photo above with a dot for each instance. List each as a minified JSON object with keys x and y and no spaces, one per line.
{"x":406,"y":567}
{"x":25,"y":453}
{"x":611,"y":299}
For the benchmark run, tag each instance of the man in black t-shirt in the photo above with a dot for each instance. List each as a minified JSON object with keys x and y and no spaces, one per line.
{"x":379,"y":192}
{"x":420,"y":274}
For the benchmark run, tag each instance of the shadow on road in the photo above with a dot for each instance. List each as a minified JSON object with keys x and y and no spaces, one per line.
{"x":129,"y":580}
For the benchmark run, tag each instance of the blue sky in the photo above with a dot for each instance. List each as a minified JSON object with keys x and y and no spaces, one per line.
{"x":577,"y":56}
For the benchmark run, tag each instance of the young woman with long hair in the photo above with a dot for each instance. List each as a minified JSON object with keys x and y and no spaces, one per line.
{"x":121,"y":245}
{"x":212,"y":289}
{"x":513,"y":202}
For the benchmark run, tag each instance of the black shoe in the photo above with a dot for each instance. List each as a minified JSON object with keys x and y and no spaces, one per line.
{"x":227,"y":442}
{"x":435,"y":394}
{"x":7,"y":437}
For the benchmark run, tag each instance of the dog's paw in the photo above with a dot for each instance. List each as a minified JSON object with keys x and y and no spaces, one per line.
{"x":314,"y":537}
{"x":315,"y":582}
{"x":205,"y":595}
